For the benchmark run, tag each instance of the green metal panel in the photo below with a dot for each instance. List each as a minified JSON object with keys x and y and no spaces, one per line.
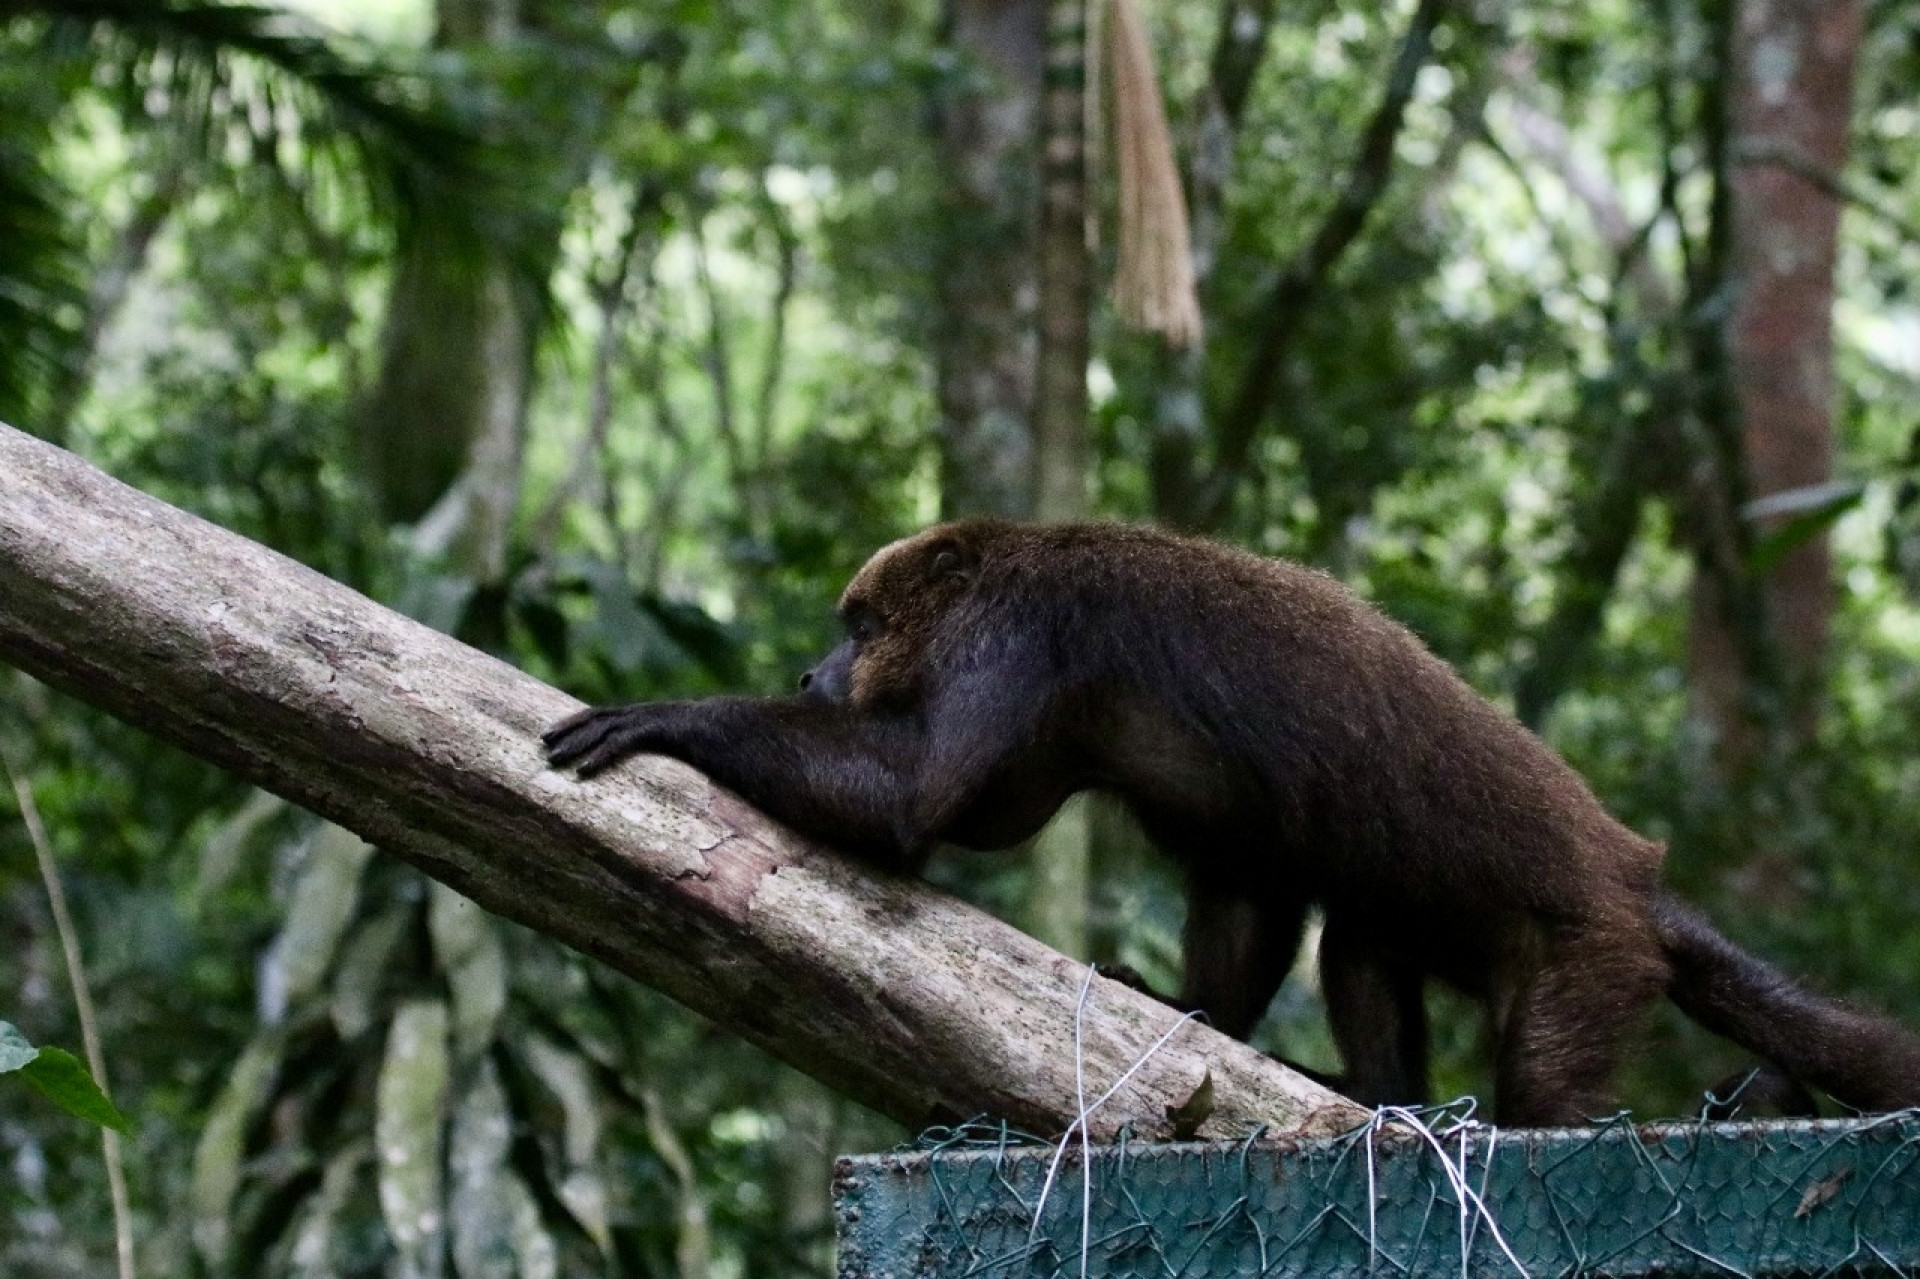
{"x":1831,"y":1197}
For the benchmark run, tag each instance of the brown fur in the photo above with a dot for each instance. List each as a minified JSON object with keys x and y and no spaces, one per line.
{"x":1290,"y":747}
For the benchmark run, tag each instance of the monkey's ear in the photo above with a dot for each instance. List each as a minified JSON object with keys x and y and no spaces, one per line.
{"x":951,"y":558}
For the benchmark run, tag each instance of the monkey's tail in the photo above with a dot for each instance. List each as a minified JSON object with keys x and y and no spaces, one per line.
{"x":1861,"y":1059}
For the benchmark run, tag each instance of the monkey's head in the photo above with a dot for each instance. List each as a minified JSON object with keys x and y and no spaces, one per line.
{"x":893,"y":611}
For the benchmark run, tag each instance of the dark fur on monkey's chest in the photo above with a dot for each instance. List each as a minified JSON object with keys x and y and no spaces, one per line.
{"x":1290,"y":747}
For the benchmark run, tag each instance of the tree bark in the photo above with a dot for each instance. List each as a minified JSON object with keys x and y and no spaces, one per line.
{"x":1063,"y":853}
{"x":1790,"y":94}
{"x":1794,"y":89}
{"x":888,"y":991}
{"x":1060,"y":449}
{"x":984,"y":341}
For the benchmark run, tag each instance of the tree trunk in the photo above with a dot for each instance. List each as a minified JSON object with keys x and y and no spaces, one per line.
{"x":454,"y":367}
{"x":902,"y":998}
{"x":443,"y":427}
{"x":1789,"y":109}
{"x":1060,"y":450}
{"x":984,"y":344}
{"x":1058,"y":893}
{"x":1179,"y":396}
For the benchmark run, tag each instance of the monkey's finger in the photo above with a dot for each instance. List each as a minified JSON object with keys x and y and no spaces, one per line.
{"x":623,"y":741}
{"x":574,"y":721}
{"x":568,"y":743}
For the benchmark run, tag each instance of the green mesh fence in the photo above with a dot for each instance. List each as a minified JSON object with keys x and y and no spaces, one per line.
{"x":1454,"y":1198}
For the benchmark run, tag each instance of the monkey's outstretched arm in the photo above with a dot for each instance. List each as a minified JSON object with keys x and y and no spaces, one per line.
{"x":882,"y":785}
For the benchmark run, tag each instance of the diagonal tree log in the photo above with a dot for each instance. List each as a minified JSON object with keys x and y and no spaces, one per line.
{"x":892,"y":993}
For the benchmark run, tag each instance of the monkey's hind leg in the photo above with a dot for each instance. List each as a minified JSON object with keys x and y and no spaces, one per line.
{"x":1377,"y":1011}
{"x":1569,"y":1020}
{"x":1236,"y":951}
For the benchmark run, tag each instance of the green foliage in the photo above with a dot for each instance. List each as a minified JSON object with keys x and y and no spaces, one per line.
{"x":61,"y":1078}
{"x":734,"y":213}
{"x":39,"y":289}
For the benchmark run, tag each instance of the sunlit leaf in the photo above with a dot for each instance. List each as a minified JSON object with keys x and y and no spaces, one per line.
{"x":221,"y":1151}
{"x":359,"y":979}
{"x":15,"y":1051}
{"x":467,"y":942}
{"x":323,"y":902}
{"x":410,"y":1108}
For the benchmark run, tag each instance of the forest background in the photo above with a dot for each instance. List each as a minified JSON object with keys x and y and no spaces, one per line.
{"x":613,"y":337}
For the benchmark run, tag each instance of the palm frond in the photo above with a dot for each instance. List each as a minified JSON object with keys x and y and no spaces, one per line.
{"x":40,"y":293}
{"x":295,"y":92}
{"x":235,"y":82}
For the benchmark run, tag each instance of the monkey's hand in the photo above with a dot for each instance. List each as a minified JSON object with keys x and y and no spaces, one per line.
{"x":601,"y":736}
{"x":882,"y":785}
{"x":824,"y":769}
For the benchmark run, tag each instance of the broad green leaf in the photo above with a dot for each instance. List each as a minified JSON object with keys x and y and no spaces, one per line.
{"x":322,"y":1227}
{"x":322,"y":907}
{"x":359,"y":976}
{"x":1805,"y":513}
{"x":494,"y":1221}
{"x":61,"y":1077}
{"x":467,"y":942}
{"x":218,"y":1157}
{"x":410,"y":1107}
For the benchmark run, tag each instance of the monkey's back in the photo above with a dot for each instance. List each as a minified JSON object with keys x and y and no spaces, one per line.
{"x":1343,"y":747}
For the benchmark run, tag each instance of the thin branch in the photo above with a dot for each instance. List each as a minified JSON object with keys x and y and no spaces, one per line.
{"x":716,"y":356}
{"x":1238,"y":50}
{"x":610,"y":298}
{"x":773,"y":363}
{"x":107,"y":291}
{"x":1303,"y":279}
{"x":83,"y":1008}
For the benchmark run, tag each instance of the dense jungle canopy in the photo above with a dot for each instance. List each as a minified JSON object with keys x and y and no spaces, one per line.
{"x":611,"y":338}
